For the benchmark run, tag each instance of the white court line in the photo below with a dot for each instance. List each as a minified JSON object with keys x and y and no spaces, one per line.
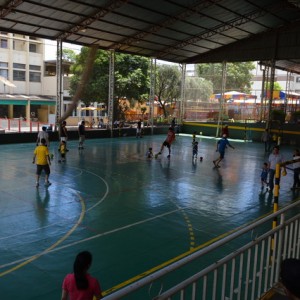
{"x":90,"y":238}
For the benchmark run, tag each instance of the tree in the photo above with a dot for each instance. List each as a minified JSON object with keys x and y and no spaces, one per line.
{"x":69,"y":55}
{"x":198,"y":89}
{"x":238,"y":76}
{"x":131,"y":79}
{"x":167,"y":85}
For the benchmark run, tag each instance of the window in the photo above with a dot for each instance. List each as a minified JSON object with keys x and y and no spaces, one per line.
{"x":19,"y":66}
{"x":34,"y":77}
{"x":3,"y":64}
{"x":4,"y":69}
{"x":3,"y":43}
{"x":298,"y":79}
{"x":19,"y":75}
{"x":4,"y":73}
{"x":32,"y":48}
{"x":34,"y":68}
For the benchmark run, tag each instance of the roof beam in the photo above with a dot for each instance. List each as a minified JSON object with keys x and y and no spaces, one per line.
{"x":100,"y":13}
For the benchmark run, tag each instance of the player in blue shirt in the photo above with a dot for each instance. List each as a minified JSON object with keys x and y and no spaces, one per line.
{"x":221,"y":146}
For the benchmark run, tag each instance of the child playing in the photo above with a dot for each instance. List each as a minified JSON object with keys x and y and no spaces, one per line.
{"x":264,"y":176}
{"x":62,"y":150}
{"x":167,"y":142}
{"x":194,"y":138}
{"x":149,"y":153}
{"x":195,"y":150}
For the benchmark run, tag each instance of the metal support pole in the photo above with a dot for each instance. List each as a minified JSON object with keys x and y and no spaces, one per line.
{"x":287,"y":90}
{"x":111,"y":86}
{"x":152,"y":92}
{"x":271,"y":90}
{"x":262,"y":93}
{"x":220,"y":118}
{"x":59,"y":91}
{"x":182,"y":93}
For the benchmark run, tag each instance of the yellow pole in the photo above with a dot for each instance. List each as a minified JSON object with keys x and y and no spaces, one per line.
{"x":276,"y":192}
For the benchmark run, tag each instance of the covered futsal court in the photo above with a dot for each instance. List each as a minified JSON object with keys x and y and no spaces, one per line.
{"x":134,"y":214}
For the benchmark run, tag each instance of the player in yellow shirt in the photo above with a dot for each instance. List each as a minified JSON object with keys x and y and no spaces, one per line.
{"x":42,"y":159}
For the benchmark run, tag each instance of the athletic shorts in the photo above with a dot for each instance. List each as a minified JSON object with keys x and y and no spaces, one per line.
{"x":63,"y":138}
{"x":166,"y":144}
{"x":40,"y":168}
{"x":81,"y":138}
{"x":222,"y":154}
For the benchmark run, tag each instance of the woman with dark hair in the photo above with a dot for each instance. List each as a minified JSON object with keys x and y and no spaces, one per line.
{"x":290,"y":277}
{"x":80,"y":285}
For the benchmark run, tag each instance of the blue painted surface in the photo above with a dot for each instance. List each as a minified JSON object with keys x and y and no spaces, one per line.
{"x":133,"y":213}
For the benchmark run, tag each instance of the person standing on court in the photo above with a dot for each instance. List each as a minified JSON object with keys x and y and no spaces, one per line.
{"x":296,"y":169}
{"x":274,"y":158}
{"x":42,"y":159}
{"x":266,"y":139}
{"x":225,"y":131}
{"x":80,"y":284}
{"x":139,"y":129}
{"x":43,"y":135}
{"x":221,"y":146}
{"x":81,"y":133}
{"x":63,"y":132}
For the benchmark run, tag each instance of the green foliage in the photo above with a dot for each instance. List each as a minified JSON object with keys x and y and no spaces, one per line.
{"x":238,"y":76}
{"x":68,"y":55}
{"x":276,"y":87}
{"x":198,"y":89}
{"x":131,"y":77}
{"x":167,"y":87}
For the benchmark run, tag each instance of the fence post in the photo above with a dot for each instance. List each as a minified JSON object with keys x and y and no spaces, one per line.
{"x":276,"y":192}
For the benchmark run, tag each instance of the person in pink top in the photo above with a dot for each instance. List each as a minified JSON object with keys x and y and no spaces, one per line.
{"x":167,"y":142}
{"x":80,"y":285}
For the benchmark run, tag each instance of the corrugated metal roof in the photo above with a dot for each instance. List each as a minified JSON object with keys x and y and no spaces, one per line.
{"x":179,"y":31}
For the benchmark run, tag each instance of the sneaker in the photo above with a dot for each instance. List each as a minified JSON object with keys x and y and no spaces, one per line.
{"x":169,"y":156}
{"x":37,"y":185}
{"x":48,"y":183}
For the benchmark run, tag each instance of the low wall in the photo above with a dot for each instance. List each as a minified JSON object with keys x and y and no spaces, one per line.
{"x":30,"y":137}
{"x":289,"y":133}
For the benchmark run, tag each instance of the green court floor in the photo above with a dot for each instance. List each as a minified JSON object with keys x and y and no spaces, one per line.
{"x":134,"y":214}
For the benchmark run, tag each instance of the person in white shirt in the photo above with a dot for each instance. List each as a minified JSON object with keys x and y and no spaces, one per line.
{"x":296,"y":167}
{"x":43,"y":135}
{"x":274,"y":158}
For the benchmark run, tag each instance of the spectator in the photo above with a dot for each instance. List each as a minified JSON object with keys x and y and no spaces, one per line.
{"x":290,"y":277}
{"x":80,"y":284}
{"x":266,"y":139}
{"x":81,"y":133}
{"x":296,"y":168}
{"x":225,"y":131}
{"x":139,"y":129}
{"x":274,"y":158}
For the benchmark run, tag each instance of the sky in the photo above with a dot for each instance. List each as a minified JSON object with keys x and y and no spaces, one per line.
{"x":50,"y":52}
{"x":50,"y":49}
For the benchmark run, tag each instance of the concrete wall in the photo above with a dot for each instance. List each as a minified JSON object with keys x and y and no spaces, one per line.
{"x":289,"y":133}
{"x":27,"y":137}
